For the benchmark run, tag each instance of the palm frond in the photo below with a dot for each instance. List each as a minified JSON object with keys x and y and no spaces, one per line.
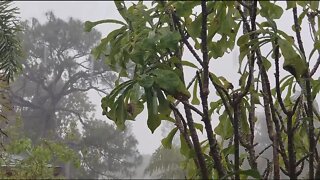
{"x":10,"y":48}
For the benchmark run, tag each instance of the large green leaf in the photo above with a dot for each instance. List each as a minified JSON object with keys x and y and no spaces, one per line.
{"x":153,"y":121}
{"x":270,"y":10}
{"x":146,"y":81}
{"x":171,"y":83}
{"x":292,"y":61}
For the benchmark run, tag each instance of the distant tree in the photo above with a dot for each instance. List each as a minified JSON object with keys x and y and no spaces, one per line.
{"x":57,"y":74}
{"x":166,"y":164}
{"x":107,"y":152}
{"x":51,"y":96}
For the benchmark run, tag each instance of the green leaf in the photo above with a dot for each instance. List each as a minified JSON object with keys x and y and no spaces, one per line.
{"x":153,"y":121}
{"x":255,"y":97}
{"x":167,"y":142}
{"x":88,"y":25}
{"x":195,"y":99}
{"x":170,"y":82}
{"x":315,"y":88}
{"x":228,"y":150}
{"x":270,"y":10}
{"x":302,"y":3}
{"x":266,"y":63}
{"x":293,"y":63}
{"x":314,"y":5}
{"x":120,"y":111}
{"x":316,"y":47}
{"x":198,"y":126}
{"x":146,"y":81}
{"x":244,"y":125}
{"x":193,"y":28}
{"x":214,"y":105}
{"x":251,"y":173}
{"x":184,"y":8}
{"x":290,"y":4}
{"x":164,"y":106}
{"x":174,"y":59}
{"x":184,"y":148}
{"x":169,"y":40}
{"x":224,"y":128}
{"x":243,"y":40}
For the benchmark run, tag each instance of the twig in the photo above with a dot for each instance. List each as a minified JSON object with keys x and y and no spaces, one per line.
{"x":261,"y":152}
{"x":185,"y":40}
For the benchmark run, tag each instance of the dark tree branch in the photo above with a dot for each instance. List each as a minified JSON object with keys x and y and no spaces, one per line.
{"x":193,"y":108}
{"x":236,"y":119}
{"x":185,"y":39}
{"x":277,"y":76}
{"x":312,"y":143}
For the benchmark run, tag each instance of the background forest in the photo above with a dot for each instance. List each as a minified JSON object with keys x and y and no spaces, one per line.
{"x":162,"y":62}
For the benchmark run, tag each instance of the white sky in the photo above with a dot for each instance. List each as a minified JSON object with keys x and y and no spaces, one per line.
{"x":97,"y":10}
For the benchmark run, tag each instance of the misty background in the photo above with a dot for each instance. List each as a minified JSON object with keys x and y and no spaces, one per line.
{"x":98,"y":10}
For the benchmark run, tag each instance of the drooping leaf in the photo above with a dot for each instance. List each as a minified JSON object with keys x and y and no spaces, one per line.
{"x":88,"y":25}
{"x":195,"y":99}
{"x":292,"y":61}
{"x":167,"y":142}
{"x":170,"y":82}
{"x":164,"y":106}
{"x":153,"y":121}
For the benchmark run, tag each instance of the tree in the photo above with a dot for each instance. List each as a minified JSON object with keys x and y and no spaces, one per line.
{"x":10,"y":53}
{"x":10,"y":45}
{"x":51,"y":96}
{"x":166,"y":164}
{"x":58,"y":72}
{"x":107,"y":152}
{"x":155,"y":38}
{"x":35,"y":165}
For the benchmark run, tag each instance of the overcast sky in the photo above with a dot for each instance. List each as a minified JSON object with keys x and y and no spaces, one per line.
{"x":97,"y":10}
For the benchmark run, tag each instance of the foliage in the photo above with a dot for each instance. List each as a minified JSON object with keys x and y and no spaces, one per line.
{"x":107,"y":152}
{"x":56,"y":75}
{"x":10,"y":48}
{"x":22,"y":159}
{"x":154,"y":39}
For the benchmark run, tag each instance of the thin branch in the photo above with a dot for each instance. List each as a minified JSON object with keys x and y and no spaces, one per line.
{"x":261,"y":152}
{"x":312,"y":147}
{"x":185,"y":39}
{"x":277,"y":76}
{"x":193,"y":108}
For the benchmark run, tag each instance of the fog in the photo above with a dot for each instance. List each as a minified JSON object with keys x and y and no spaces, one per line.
{"x":98,"y":10}
{"x":84,"y":10}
